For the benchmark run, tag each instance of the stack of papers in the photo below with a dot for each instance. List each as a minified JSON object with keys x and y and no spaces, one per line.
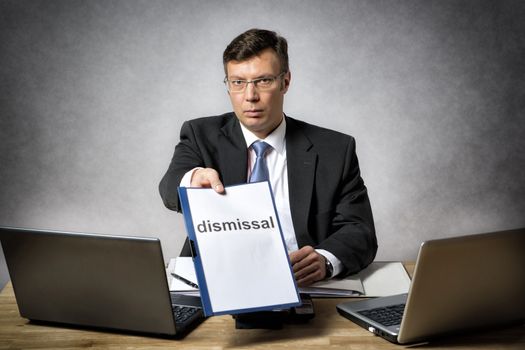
{"x":381,"y":279}
{"x":377,"y":280}
{"x":347,"y":287}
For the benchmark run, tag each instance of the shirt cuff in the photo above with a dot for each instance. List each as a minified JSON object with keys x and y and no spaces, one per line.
{"x":186,"y":179}
{"x":336,"y":263}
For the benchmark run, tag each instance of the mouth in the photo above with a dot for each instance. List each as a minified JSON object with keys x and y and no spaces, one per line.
{"x":253,"y":112}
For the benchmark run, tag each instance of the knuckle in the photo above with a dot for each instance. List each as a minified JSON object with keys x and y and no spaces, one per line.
{"x":308,"y":249}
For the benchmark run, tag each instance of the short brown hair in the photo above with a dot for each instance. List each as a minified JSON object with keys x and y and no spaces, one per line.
{"x":254,"y":41}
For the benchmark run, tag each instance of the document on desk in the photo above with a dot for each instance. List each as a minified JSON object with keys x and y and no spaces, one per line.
{"x":384,"y":278}
{"x":380,"y":278}
{"x":182,"y":266}
{"x":238,"y":249}
{"x":345,"y":287}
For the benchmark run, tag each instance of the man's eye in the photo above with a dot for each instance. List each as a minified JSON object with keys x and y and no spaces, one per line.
{"x":237,"y":82}
{"x":265,"y":81}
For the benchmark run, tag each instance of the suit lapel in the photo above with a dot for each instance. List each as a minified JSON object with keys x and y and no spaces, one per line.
{"x":302,"y":162}
{"x":233,"y":153}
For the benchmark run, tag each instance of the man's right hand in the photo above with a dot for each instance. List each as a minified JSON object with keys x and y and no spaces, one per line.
{"x":207,"y":177}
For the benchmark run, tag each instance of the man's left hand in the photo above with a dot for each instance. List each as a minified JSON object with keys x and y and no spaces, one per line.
{"x":308,"y":266}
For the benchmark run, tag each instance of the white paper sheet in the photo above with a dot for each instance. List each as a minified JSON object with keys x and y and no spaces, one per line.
{"x":380,"y":278}
{"x":383,"y":278}
{"x":241,"y":252}
{"x":182,"y":266}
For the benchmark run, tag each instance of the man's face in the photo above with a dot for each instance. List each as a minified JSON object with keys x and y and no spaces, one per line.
{"x":259,"y":111}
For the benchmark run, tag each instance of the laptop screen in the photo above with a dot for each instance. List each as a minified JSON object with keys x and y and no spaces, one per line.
{"x":89,"y":279}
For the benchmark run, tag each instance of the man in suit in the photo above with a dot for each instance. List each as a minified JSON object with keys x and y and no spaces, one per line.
{"x":321,"y":199}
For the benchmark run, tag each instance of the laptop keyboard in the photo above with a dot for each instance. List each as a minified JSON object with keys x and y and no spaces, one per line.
{"x":184,"y":313}
{"x":387,"y":316}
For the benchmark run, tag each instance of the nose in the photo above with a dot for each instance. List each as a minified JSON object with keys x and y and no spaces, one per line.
{"x":250,"y":94}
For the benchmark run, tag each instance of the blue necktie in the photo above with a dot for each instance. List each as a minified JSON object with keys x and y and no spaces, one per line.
{"x":260,"y":170}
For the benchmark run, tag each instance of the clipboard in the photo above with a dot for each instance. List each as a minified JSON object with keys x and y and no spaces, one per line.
{"x":238,"y":249}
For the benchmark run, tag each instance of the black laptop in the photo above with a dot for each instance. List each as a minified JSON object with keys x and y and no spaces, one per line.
{"x":459,"y":284}
{"x":93,"y":280}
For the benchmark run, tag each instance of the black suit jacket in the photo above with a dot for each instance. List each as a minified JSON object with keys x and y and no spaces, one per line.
{"x":328,"y":199}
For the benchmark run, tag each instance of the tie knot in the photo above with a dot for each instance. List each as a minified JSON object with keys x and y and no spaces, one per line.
{"x":260,"y":148}
{"x":260,"y":169}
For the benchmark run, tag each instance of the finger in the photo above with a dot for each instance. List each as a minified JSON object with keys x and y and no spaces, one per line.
{"x":300,"y":254}
{"x":310,"y":258}
{"x":207,"y":177}
{"x":305,"y":282}
{"x":313,"y":264}
{"x":218,"y":187}
{"x":305,"y":271}
{"x":298,"y":266}
{"x":309,"y":279}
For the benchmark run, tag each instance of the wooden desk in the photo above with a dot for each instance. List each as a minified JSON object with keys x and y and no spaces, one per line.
{"x":328,"y":330}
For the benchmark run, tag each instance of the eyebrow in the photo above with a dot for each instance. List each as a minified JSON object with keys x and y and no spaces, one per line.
{"x":236,"y":77}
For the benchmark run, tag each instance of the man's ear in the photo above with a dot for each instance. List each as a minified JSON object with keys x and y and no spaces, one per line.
{"x":286,"y":81}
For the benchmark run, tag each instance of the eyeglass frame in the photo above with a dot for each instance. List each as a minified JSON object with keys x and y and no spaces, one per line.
{"x":253,"y":81}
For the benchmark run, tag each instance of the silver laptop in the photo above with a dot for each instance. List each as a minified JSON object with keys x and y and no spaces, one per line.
{"x":113,"y":282}
{"x":459,"y":283}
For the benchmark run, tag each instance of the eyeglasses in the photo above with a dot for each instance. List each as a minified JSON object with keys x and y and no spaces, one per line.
{"x":261,"y":84}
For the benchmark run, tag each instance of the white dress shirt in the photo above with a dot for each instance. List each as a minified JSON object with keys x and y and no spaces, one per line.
{"x":278,"y":172}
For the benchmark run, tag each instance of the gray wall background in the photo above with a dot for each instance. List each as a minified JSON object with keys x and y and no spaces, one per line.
{"x":93,"y":94}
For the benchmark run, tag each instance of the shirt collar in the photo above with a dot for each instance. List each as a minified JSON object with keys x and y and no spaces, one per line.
{"x":274,"y":139}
